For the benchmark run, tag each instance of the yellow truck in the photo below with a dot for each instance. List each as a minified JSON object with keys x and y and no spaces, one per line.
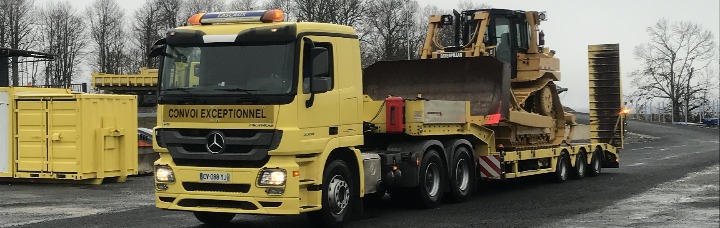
{"x":260,"y":116}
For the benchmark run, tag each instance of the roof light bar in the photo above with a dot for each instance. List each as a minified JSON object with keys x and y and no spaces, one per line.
{"x":265,"y":16}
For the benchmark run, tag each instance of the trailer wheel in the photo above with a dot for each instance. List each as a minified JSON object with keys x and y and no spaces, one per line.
{"x":213,"y":218}
{"x":337,"y":196}
{"x":431,"y":180}
{"x":562,"y":169}
{"x":595,"y":166}
{"x":580,"y":166}
{"x":462,"y":180}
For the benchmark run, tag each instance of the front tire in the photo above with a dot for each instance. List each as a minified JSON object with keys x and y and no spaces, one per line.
{"x":214,"y":218}
{"x":337,"y":196}
{"x":430,"y":189}
{"x":462,"y":180}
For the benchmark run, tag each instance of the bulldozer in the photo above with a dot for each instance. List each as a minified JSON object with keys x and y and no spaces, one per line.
{"x":497,"y":60}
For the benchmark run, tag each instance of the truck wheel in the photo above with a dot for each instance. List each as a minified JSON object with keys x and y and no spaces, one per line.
{"x":595,"y":166}
{"x":462,"y":181}
{"x":214,"y":218}
{"x":562,"y":170}
{"x":337,"y":196}
{"x":580,"y":166}
{"x":431,"y":180}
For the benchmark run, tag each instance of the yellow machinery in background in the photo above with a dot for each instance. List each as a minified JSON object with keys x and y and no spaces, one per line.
{"x":54,"y":134}
{"x":143,"y":85}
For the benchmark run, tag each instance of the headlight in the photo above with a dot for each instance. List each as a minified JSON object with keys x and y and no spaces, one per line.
{"x":272,"y":177}
{"x":164,"y":173}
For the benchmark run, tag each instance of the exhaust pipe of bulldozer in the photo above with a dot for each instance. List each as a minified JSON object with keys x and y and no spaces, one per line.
{"x":457,"y":28}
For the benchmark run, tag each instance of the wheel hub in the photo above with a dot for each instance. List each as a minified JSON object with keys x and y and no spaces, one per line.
{"x":462,"y":175}
{"x":338,"y":194}
{"x":432,"y":179}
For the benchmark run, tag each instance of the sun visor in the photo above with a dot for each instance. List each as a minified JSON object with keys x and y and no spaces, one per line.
{"x":184,"y":37}
{"x":282,"y":33}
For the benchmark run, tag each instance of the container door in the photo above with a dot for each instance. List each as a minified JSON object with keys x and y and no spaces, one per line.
{"x":31,"y":135}
{"x":63,"y":153}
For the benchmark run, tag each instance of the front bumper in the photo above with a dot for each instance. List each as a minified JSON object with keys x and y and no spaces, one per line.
{"x":239,"y":195}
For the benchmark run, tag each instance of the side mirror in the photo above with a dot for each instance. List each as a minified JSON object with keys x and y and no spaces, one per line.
{"x":320,"y":80}
{"x":158,"y":49}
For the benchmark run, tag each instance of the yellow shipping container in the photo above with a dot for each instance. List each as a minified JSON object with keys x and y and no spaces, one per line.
{"x":53,"y":134}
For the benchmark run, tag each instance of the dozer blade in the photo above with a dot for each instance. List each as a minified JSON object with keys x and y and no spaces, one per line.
{"x":484,"y":81}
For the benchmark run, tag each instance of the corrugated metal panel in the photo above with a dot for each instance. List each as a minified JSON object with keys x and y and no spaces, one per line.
{"x":605,"y":94}
{"x":63,"y":127}
{"x":31,"y":136}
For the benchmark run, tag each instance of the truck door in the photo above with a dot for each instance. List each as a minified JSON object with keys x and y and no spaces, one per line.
{"x":318,"y":122}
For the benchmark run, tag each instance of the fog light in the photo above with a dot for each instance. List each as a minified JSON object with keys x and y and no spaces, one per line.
{"x":161,"y":187}
{"x":272,"y":177}
{"x":275,"y":191}
{"x":164,"y":173}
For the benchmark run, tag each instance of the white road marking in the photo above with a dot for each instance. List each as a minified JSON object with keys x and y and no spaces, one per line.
{"x":636,"y":164}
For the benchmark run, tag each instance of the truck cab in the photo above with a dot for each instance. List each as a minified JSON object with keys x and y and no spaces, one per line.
{"x":250,"y":109}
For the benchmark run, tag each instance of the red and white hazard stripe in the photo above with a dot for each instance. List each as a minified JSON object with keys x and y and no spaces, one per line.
{"x":490,"y":166}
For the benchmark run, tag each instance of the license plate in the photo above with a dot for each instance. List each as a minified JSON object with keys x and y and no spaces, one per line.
{"x":215,"y":177}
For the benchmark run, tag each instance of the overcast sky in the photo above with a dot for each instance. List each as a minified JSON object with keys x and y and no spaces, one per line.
{"x":573,"y":24}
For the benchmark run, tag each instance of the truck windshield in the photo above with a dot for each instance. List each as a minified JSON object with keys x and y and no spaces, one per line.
{"x":216,"y":70}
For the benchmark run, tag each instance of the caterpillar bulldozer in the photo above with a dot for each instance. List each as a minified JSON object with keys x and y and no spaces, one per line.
{"x":498,"y":60}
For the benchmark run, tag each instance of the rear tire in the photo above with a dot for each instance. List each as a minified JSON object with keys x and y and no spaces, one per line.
{"x":462,"y":180}
{"x":430,"y":189}
{"x":337,"y":196}
{"x":214,"y":218}
{"x":580,"y":166}
{"x":595,"y":166}
{"x":562,"y":170}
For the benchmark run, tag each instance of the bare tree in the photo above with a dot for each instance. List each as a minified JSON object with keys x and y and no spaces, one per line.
{"x":244,"y":5}
{"x":389,"y":23}
{"x":145,"y":32}
{"x":169,"y":13}
{"x":105,"y":17}
{"x":18,"y":29}
{"x":63,"y":35}
{"x":470,"y":5}
{"x":343,"y":12}
{"x":674,"y":60}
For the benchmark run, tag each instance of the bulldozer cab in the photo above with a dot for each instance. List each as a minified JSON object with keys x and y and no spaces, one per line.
{"x":508,"y":33}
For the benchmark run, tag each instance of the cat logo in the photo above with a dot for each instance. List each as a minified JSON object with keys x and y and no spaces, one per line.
{"x":452,"y":55}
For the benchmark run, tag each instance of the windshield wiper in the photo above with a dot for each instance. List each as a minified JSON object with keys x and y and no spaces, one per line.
{"x":183,"y":89}
{"x":245,"y":91}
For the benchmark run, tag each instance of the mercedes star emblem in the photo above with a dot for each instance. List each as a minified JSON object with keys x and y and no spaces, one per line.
{"x":215,"y":142}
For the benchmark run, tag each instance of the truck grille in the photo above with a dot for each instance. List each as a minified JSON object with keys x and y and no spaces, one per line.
{"x":190,"y":146}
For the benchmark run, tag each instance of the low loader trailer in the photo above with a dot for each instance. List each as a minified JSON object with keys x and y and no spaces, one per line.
{"x":260,"y":116}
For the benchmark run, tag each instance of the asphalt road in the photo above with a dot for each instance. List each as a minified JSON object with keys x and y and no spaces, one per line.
{"x":669,"y":181}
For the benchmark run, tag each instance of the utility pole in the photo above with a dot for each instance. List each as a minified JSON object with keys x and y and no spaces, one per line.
{"x":687,"y":95}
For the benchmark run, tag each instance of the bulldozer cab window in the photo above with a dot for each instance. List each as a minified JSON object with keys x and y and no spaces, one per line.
{"x":521,"y":29}
{"x":503,"y":48}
